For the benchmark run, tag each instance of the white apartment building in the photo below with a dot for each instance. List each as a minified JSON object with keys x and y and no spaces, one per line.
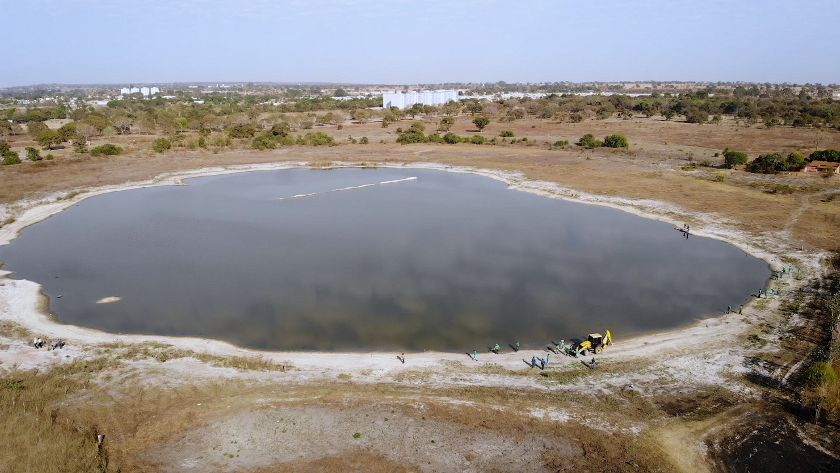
{"x":404,"y":100}
{"x":142,"y":90}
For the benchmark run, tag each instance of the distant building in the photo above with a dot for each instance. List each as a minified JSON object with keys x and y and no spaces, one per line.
{"x":134,"y":90}
{"x":144,"y":90}
{"x":404,"y":100}
{"x":823,"y":167}
{"x":125,"y":91}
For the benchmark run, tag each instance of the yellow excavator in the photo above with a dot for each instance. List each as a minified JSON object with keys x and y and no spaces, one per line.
{"x":595,"y":343}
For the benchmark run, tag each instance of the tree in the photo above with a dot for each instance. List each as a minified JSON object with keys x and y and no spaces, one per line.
{"x":772,"y":163}
{"x":123,"y":124}
{"x":669,"y":114}
{"x":481,"y":122}
{"x":696,"y":116}
{"x":451,"y":108}
{"x":33,"y":128}
{"x":414,"y":110}
{"x":48,"y":138}
{"x":182,"y":124}
{"x":32,"y":154}
{"x":446,"y":123}
{"x":796,"y":162}
{"x":830,"y":155}
{"x":339,"y":92}
{"x":86,"y":131}
{"x":616,"y":141}
{"x":5,"y":128}
{"x":473,"y":106}
{"x":161,"y":144}
{"x":67,"y":131}
{"x":4,"y":146}
{"x":734,"y":158}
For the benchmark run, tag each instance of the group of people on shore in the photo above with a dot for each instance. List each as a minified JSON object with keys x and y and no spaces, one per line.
{"x":558,"y":348}
{"x":39,"y":343}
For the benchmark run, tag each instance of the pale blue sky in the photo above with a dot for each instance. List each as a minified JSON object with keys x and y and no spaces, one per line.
{"x":418,"y":41}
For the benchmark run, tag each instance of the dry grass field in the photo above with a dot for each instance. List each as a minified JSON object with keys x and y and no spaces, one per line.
{"x":695,"y":399}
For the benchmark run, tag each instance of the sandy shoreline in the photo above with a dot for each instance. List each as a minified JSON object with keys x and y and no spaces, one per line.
{"x":22,"y":302}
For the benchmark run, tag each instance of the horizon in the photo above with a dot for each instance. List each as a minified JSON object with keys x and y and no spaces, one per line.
{"x":366,"y":42}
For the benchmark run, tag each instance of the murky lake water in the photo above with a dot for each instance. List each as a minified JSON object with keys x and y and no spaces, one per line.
{"x":447,"y":261}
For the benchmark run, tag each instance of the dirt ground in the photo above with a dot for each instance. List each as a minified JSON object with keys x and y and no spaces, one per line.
{"x":713,"y":396}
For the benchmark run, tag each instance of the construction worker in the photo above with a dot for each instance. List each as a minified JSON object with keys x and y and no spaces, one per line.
{"x":592,"y":364}
{"x":496,"y":349}
{"x":517,"y":346}
{"x":475,"y":355}
{"x":562,"y":343}
{"x":728,"y":309}
{"x":741,"y":310}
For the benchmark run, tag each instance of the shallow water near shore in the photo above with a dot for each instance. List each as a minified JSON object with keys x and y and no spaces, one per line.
{"x":445,"y":261}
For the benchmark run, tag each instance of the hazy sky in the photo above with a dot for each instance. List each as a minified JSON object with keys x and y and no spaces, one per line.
{"x":418,"y":41}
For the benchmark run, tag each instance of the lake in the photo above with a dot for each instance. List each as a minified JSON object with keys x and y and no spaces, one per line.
{"x":446,"y":261}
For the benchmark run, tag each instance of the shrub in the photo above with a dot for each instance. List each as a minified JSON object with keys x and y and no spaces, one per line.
{"x":720,"y":178}
{"x":435,"y":138}
{"x":10,"y":157}
{"x":263,"y":142}
{"x":241,"y":130}
{"x":782,"y":189}
{"x":318,"y":139}
{"x":506,"y":133}
{"x":452,"y":138}
{"x":477,"y":140}
{"x":161,"y":144}
{"x":561,"y":143}
{"x":107,"y":149}
{"x":706,"y":163}
{"x":820,"y":373}
{"x":734,"y":158}
{"x":616,"y":141}
{"x":588,"y":141}
{"x":364,"y":140}
{"x":4,"y":146}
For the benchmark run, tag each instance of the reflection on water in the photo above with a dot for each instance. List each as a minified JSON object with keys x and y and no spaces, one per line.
{"x":446,"y":261}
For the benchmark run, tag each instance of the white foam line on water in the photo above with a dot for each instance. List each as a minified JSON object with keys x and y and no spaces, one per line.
{"x":354,"y":187}
{"x":399,"y":180}
{"x":348,"y":188}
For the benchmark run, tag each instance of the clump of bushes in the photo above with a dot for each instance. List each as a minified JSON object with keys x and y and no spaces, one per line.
{"x":612,"y":141}
{"x":561,"y":143}
{"x":161,"y":144}
{"x":10,"y":157}
{"x":775,"y":163}
{"x":318,"y":138}
{"x":820,"y":373}
{"x":506,"y":133}
{"x":107,"y":149}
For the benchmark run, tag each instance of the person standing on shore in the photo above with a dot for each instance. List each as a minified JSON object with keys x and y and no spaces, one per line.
{"x":517,"y":346}
{"x":475,"y":355}
{"x":543,"y":362}
{"x":741,"y":310}
{"x":728,"y":309}
{"x":533,"y":362}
